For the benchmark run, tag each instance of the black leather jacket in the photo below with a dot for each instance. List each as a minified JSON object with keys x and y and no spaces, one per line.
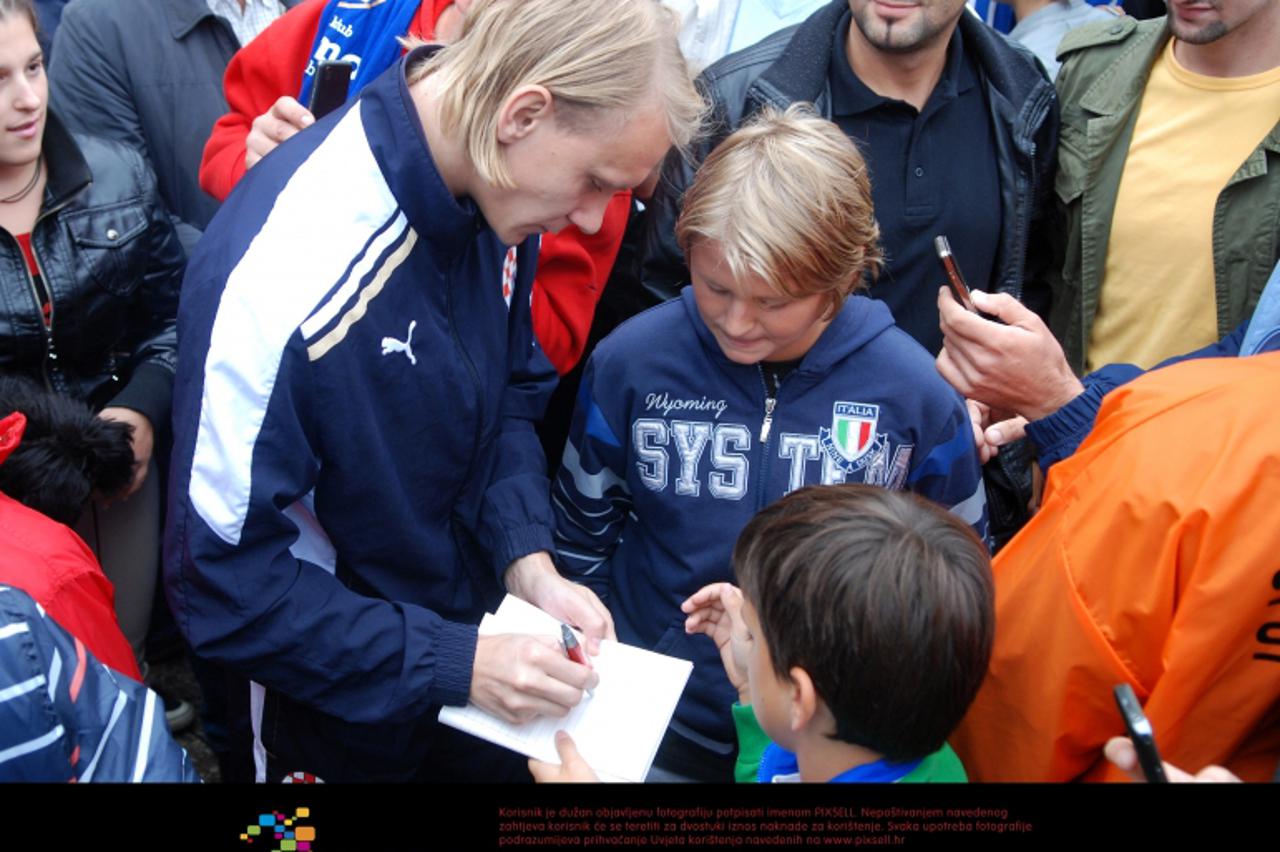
{"x":112,"y":264}
{"x":791,"y":66}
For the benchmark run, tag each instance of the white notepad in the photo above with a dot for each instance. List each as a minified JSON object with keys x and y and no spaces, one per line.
{"x":617,"y":731}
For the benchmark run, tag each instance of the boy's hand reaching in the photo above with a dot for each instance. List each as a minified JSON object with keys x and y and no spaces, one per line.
{"x":571,"y":768}
{"x":716,"y":610}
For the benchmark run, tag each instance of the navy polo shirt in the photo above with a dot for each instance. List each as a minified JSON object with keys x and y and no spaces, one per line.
{"x":933,"y":171}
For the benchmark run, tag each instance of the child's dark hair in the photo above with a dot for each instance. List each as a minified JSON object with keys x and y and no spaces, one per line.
{"x":885,"y":599}
{"x":66,"y":454}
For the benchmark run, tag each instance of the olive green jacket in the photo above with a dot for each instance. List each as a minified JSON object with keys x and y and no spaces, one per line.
{"x":1104,"y":73}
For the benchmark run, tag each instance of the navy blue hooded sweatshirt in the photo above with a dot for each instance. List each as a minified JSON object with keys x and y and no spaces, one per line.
{"x":669,"y":457}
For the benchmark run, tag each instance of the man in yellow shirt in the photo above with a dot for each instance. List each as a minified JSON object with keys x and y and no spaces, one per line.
{"x":1169,"y":179}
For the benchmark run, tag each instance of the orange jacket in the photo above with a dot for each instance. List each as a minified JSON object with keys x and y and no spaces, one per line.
{"x":572,"y":266}
{"x":1154,"y":560}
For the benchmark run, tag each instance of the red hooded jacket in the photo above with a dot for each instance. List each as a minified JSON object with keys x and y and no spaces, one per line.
{"x":53,"y":565}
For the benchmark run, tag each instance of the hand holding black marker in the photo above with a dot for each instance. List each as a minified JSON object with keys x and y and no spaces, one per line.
{"x":573,"y":650}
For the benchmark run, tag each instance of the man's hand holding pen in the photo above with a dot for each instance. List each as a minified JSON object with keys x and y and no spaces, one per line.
{"x":518,"y":677}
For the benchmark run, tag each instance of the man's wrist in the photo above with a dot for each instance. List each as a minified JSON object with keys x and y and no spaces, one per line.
{"x":523,"y":574}
{"x":1064,"y":391}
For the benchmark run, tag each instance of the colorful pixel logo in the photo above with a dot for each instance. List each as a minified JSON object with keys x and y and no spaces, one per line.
{"x":287,"y":833}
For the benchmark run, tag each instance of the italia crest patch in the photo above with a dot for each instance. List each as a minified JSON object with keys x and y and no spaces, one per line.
{"x":853,"y":428}
{"x":852,"y":441}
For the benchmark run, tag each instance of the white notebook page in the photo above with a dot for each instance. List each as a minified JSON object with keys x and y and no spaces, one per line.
{"x":617,"y":730}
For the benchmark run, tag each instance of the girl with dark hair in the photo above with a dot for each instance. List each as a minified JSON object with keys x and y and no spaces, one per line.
{"x":89,"y":276}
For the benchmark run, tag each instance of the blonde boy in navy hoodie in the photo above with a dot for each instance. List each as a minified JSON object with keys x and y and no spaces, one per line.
{"x":769,"y":373}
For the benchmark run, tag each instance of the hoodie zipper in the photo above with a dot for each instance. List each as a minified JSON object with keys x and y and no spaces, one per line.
{"x":766,"y":427}
{"x":770,"y":403}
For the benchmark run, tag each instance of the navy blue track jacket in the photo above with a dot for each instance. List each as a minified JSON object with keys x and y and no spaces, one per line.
{"x":668,"y":459}
{"x":355,"y":461}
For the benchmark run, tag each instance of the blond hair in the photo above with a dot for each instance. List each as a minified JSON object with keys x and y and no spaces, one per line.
{"x":787,"y":198}
{"x":591,"y":55}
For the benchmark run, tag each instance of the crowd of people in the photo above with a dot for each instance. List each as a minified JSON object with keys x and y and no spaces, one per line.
{"x":632,"y":309}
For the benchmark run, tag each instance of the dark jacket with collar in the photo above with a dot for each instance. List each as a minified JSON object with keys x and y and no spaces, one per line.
{"x":112,"y":265}
{"x":791,"y":66}
{"x":150,"y":75}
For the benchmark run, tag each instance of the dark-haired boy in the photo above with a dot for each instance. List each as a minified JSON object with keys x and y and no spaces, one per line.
{"x":857,"y":642}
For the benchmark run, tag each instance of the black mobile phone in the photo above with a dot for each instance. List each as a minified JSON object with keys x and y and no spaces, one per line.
{"x":329,"y":89}
{"x":959,"y":288}
{"x":1139,"y":728}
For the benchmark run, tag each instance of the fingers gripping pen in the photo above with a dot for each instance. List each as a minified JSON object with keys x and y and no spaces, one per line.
{"x":573,"y":650}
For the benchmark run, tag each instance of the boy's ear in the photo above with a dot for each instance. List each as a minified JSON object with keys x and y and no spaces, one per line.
{"x":521,"y":113}
{"x":804,"y":699}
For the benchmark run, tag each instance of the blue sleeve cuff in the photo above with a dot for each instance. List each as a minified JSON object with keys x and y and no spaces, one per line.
{"x":455,"y":648}
{"x":1062,"y":432}
{"x":521,"y":541}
